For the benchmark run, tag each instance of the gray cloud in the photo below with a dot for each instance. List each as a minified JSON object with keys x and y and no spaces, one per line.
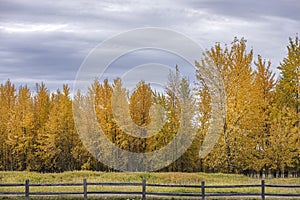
{"x":47,"y":41}
{"x":252,"y":10}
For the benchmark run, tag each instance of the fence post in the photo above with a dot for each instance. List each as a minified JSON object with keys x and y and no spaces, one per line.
{"x":262,"y":189}
{"x":203,"y":190}
{"x":27,"y":189}
{"x":144,"y":189}
{"x":84,"y":189}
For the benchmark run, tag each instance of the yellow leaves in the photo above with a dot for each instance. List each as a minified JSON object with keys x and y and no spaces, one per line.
{"x":248,"y":98}
{"x":261,"y":130}
{"x":140,"y":103}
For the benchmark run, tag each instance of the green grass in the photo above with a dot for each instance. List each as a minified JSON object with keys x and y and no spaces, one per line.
{"x":176,"y":178}
{"x":164,"y":178}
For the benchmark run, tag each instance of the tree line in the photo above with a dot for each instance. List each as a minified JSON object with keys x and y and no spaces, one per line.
{"x":260,"y":135}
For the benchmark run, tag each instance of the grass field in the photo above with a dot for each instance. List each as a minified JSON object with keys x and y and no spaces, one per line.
{"x":172,"y":178}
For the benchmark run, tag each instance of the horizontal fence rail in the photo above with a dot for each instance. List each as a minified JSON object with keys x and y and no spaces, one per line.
{"x":143,"y":192}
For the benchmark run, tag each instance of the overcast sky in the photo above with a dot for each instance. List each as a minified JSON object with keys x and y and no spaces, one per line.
{"x":48,"y":40}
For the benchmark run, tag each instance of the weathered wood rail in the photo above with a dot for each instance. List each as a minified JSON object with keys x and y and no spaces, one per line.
{"x":143,"y":193}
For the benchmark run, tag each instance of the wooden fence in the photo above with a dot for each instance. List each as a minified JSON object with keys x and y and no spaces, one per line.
{"x":143,"y":193}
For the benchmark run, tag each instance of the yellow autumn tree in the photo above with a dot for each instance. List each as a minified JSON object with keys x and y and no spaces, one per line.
{"x":7,"y":124}
{"x":235,"y":144}
{"x":24,"y":130}
{"x":285,"y":133}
